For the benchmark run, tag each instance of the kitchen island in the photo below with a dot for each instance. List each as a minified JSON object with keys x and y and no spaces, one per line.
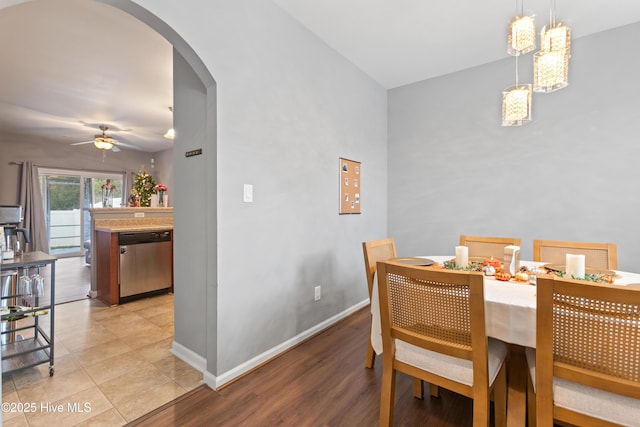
{"x":132,"y":247}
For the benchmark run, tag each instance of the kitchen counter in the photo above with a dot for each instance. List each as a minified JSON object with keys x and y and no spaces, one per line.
{"x":129,"y":228}
{"x":108,"y":223}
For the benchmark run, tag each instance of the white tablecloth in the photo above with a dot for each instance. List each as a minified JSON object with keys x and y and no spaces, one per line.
{"x":510,"y":307}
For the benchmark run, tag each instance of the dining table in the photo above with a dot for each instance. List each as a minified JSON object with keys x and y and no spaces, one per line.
{"x":510,"y":316}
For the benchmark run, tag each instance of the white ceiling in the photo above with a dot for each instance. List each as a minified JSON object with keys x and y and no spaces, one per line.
{"x":398,"y":42}
{"x":70,"y":65}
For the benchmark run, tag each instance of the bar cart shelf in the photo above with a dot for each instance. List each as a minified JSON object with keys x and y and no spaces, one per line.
{"x":37,"y":348}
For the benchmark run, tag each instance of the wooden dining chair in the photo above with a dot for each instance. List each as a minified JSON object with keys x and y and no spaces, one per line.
{"x":486,"y":247}
{"x":374,"y":251}
{"x":585,"y":369}
{"x":433,"y":328}
{"x":597,"y":255}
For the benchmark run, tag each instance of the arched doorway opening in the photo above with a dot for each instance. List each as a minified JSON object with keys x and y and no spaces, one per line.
{"x":195,"y":200}
{"x":195,"y":197}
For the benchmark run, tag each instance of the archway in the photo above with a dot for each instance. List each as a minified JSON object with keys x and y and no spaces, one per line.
{"x":195,"y":339}
{"x":196,"y":251}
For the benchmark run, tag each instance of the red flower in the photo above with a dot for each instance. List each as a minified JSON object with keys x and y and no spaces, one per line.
{"x":108,"y":185}
{"x":160,"y":187}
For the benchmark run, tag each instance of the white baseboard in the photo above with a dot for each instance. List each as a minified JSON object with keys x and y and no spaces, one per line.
{"x":200,"y":363}
{"x":277,"y":350}
{"x":188,"y":356}
{"x":209,"y":379}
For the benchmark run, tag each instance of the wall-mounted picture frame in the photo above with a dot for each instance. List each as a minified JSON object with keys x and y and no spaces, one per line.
{"x":350,"y":186}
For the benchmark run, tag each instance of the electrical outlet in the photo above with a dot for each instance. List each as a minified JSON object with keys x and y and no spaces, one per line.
{"x":317,"y":294}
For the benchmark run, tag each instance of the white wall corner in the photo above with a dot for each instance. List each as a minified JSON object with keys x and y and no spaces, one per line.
{"x":188,"y":356}
{"x":209,"y":379}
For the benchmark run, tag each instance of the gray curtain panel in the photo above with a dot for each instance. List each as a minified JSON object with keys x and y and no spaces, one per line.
{"x":32,"y":209}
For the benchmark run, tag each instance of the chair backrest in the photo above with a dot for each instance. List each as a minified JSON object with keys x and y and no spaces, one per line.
{"x":595,"y":339}
{"x":596,"y":255}
{"x":440,"y":310}
{"x":374,"y":251}
{"x":481,"y":246}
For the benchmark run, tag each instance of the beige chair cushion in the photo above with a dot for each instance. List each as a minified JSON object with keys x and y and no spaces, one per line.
{"x":453,"y":368}
{"x":588,"y":400}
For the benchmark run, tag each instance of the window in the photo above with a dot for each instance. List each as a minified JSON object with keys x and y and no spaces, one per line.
{"x":67,"y":196}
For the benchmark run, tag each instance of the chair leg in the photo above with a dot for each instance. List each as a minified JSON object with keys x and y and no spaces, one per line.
{"x":387,"y":393}
{"x":418,"y":388}
{"x":500,"y":398}
{"x":531,"y":404}
{"x":434,"y":391}
{"x":371,"y":356}
{"x":481,"y":405}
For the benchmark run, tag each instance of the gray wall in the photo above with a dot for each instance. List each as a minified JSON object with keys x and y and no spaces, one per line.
{"x":571,"y":174}
{"x":288,"y":107}
{"x":163,"y":171}
{"x":190,"y":216}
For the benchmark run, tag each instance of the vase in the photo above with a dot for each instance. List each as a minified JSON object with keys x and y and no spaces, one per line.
{"x":107,"y":198}
{"x":160,"y":198}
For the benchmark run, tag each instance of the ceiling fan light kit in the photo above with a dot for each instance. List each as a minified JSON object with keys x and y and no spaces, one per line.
{"x":103,"y":144}
{"x":103,"y":141}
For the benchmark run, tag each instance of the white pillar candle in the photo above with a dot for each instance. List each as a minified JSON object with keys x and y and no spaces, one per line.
{"x":462,"y":256}
{"x":575,"y":266}
{"x":512,"y":259}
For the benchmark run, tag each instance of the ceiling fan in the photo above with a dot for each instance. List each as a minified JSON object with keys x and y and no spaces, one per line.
{"x":106,"y":142}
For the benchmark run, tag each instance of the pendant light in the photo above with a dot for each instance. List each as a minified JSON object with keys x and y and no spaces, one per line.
{"x":551,"y":63}
{"x":521,"y":39}
{"x":516,"y":103}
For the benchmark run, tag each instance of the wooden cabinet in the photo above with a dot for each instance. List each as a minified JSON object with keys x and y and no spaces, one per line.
{"x":107,"y":255}
{"x":109,"y":278}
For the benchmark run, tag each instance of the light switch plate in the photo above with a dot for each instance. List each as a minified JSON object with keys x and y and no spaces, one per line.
{"x":248,"y":193}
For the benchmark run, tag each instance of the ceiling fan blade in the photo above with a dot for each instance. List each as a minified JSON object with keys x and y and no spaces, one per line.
{"x":115,"y":149}
{"x":82,"y":143}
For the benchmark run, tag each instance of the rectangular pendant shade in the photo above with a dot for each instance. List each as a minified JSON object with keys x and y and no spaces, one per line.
{"x":555,"y":38}
{"x":550,"y":71}
{"x":522,"y":35}
{"x":516,"y":105}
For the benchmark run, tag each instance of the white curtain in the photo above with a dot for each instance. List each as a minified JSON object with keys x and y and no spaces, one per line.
{"x":32,"y":209}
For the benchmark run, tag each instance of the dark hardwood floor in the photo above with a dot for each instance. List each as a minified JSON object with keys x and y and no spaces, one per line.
{"x":322,"y":382}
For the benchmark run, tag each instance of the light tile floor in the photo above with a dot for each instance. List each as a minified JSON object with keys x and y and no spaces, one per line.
{"x":112,"y":365}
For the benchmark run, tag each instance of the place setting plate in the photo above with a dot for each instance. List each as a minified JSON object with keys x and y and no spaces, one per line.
{"x":422,"y":262}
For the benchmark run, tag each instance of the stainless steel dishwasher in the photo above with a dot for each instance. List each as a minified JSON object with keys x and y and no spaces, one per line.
{"x":146,"y":263}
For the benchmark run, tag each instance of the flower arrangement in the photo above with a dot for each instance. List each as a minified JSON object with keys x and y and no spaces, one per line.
{"x":160,"y":189}
{"x":107,"y":194}
{"x":108,"y":185}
